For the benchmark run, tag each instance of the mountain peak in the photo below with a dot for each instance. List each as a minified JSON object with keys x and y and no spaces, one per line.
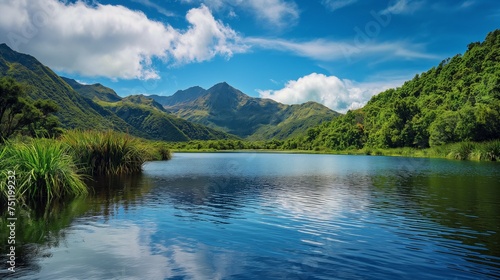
{"x":222,"y":85}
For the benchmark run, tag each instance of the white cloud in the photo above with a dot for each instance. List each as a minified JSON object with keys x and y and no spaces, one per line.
{"x":204,"y":39}
{"x":327,"y":50}
{"x":337,"y":4}
{"x":277,"y":13}
{"x":155,"y":6}
{"x":402,"y":7}
{"x":109,"y":40}
{"x":336,"y":94}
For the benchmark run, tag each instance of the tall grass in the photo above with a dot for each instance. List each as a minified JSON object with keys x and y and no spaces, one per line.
{"x":49,"y":168}
{"x":491,"y":151}
{"x":463,"y":151}
{"x":44,"y":170}
{"x":106,"y":153}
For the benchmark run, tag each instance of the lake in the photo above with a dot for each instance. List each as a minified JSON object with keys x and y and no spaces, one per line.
{"x":273,"y":216}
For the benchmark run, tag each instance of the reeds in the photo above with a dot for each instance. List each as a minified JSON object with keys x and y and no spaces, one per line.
{"x":491,"y":151}
{"x":50,"y":168}
{"x":44,"y":169}
{"x":106,"y":153}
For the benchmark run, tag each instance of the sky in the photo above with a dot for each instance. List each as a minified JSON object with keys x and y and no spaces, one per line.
{"x":335,"y":52}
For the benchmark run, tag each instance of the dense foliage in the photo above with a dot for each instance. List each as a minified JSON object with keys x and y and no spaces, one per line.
{"x":457,"y":101}
{"x":21,"y":115}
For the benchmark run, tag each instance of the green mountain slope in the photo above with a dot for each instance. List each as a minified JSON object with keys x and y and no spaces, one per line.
{"x":224,"y":107}
{"x":181,"y":96}
{"x":98,"y":107}
{"x":459,"y":100}
{"x":40,"y":82}
{"x":95,"y":91}
{"x":148,"y":116}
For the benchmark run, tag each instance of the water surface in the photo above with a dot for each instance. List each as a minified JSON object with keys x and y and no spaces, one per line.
{"x":276,"y":216}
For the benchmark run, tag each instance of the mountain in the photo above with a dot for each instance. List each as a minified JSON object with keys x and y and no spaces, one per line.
{"x":41,"y":82}
{"x":181,"y":96}
{"x":226,"y":108}
{"x":92,"y":92}
{"x":98,"y":107}
{"x":458,"y":100}
{"x":145,"y":114}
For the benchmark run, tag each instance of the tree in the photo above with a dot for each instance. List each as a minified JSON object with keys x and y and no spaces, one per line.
{"x":19,"y":114}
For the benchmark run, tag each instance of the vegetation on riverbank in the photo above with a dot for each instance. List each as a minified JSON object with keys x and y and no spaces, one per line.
{"x":478,"y":151}
{"x":55,"y":168}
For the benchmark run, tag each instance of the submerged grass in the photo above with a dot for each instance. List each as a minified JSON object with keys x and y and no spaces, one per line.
{"x":44,"y":169}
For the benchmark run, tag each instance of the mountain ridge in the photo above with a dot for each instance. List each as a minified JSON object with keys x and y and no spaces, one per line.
{"x":229,"y":109}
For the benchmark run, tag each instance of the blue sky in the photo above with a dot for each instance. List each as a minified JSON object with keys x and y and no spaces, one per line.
{"x":336,"y":52}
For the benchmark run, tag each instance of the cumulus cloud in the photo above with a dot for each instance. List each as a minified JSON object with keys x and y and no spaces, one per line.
{"x":205,"y":38}
{"x":336,"y":94}
{"x":337,"y":4}
{"x":110,"y":40}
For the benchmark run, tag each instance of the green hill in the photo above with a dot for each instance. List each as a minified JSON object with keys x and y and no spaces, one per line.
{"x":98,"y":107}
{"x":148,"y":116}
{"x":40,"y":82}
{"x":93,"y":92}
{"x":226,"y":108}
{"x":458,"y":100}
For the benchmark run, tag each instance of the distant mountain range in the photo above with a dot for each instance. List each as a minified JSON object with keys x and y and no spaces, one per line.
{"x":220,"y":112}
{"x":226,"y":108}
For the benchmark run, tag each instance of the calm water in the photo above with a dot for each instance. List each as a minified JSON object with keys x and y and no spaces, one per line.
{"x":273,"y":216}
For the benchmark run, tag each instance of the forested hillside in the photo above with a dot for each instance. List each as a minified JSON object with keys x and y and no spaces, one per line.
{"x":458,"y":100}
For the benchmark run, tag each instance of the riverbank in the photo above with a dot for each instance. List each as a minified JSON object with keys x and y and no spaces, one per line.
{"x":43,"y":169}
{"x":484,"y":151}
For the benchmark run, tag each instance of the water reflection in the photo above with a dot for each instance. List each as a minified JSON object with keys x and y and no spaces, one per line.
{"x":248,"y":216}
{"x":42,"y":227}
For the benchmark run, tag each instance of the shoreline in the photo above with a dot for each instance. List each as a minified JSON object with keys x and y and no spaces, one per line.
{"x":442,"y":152}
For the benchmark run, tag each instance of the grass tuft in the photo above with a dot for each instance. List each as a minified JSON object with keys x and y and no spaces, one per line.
{"x":106,"y":153}
{"x":463,"y":151}
{"x":44,"y":170}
